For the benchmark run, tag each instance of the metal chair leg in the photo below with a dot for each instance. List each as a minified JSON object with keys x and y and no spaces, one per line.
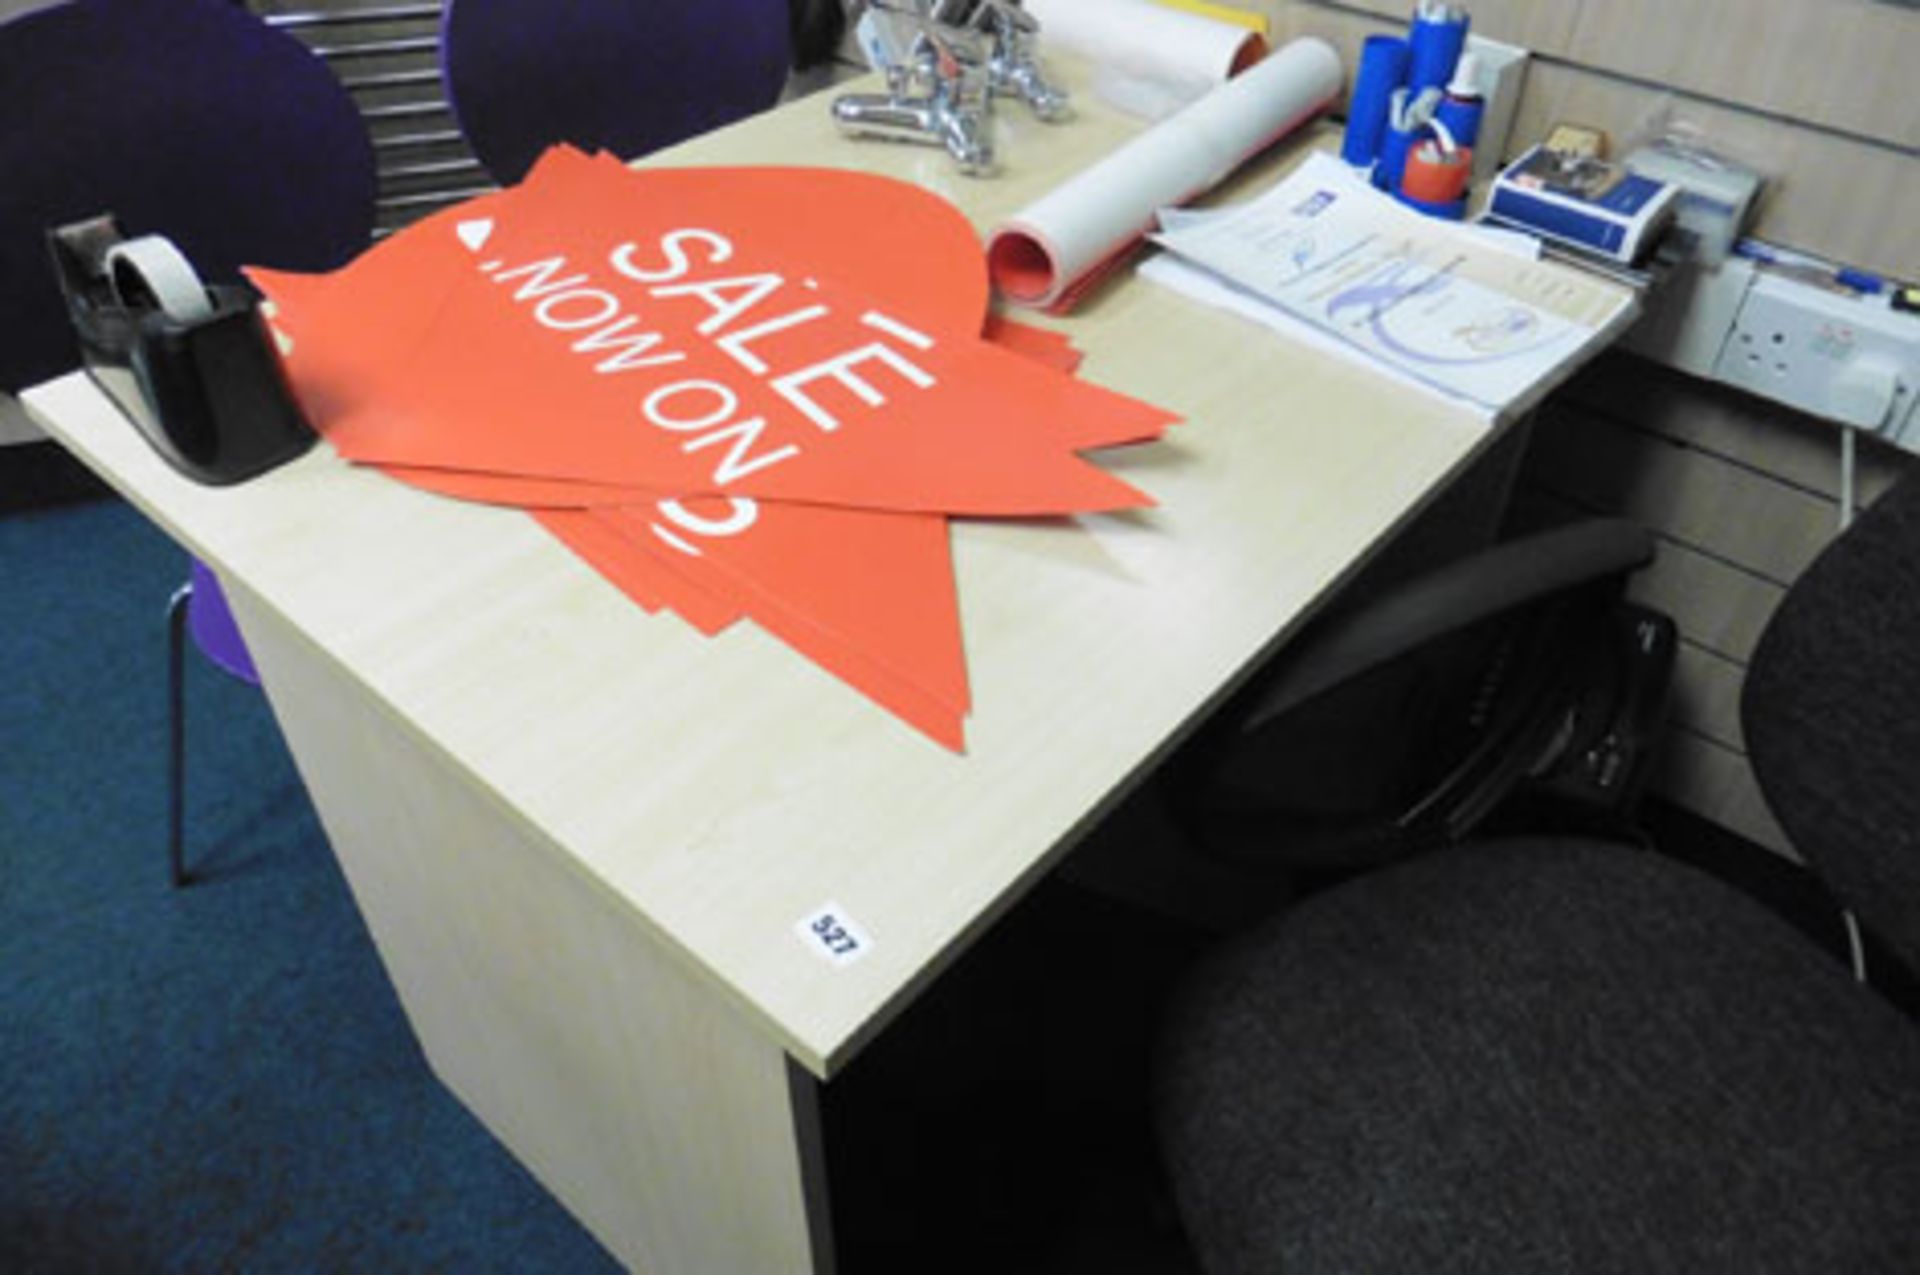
{"x":177,"y":733}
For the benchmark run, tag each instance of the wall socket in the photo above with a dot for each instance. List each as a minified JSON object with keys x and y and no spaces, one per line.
{"x":1835,"y":354}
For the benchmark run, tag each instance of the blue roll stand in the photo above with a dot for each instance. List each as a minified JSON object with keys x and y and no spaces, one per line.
{"x":1451,"y":210}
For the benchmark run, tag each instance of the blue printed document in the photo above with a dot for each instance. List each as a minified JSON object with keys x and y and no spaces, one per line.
{"x":1431,"y":300}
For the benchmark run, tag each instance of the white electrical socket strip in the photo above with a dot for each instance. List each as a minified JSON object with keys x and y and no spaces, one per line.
{"x":1845,"y":357}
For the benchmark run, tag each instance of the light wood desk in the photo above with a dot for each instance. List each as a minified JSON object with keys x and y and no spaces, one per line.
{"x":582,"y":837}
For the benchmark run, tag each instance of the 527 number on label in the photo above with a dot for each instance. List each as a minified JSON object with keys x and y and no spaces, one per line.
{"x":832,"y":934}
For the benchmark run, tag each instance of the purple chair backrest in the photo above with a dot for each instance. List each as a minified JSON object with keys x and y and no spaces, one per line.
{"x":189,"y":118}
{"x":629,"y":76}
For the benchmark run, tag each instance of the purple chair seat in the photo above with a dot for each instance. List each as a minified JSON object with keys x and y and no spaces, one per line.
{"x":211,"y":622}
{"x":198,"y":608}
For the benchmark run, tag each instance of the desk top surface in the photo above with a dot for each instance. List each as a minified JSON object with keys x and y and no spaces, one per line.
{"x":723,"y":790}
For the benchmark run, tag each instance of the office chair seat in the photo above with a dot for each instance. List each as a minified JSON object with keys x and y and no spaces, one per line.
{"x":1540,"y":1055}
{"x":198,"y":608}
{"x":210,"y":621}
{"x":1567,"y":1055}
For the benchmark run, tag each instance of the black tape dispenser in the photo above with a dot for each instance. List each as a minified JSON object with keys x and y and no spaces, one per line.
{"x":191,"y":365}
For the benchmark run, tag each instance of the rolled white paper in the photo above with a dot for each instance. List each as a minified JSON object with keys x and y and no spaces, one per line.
{"x":1170,"y":54}
{"x":1050,"y":252}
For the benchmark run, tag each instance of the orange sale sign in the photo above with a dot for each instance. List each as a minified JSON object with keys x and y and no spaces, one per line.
{"x":733,"y":392}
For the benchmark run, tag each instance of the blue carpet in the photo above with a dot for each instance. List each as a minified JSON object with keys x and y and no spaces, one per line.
{"x":217,"y":1078}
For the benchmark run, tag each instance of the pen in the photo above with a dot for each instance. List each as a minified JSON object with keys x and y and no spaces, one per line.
{"x":1810,"y":269}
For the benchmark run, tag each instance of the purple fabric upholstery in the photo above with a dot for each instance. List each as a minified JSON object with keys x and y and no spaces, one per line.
{"x":629,"y":76}
{"x":190,"y":118}
{"x":210,"y":620}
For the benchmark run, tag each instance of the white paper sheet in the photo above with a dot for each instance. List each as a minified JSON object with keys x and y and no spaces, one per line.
{"x":1191,"y":281}
{"x":1148,"y":59}
{"x":1428,"y":299}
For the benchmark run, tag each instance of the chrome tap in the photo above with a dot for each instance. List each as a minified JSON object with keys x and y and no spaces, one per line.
{"x":1013,"y":69}
{"x":939,"y":87}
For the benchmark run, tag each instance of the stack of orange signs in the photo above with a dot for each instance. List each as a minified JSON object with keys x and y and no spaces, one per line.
{"x":751,"y":391}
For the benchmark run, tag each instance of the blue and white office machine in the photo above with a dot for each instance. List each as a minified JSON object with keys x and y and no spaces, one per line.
{"x":1582,"y":201}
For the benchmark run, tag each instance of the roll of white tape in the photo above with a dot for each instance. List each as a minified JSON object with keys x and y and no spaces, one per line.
{"x":152,"y":263}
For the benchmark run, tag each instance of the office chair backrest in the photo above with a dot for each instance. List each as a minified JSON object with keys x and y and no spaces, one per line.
{"x":629,"y":76}
{"x":1831,"y":712}
{"x":189,"y":118}
{"x":1400,"y":720}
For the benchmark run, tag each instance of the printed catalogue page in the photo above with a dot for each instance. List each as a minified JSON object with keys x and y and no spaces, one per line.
{"x":1434,"y":300}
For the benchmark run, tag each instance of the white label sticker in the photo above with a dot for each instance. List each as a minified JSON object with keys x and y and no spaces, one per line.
{"x":833,"y":935}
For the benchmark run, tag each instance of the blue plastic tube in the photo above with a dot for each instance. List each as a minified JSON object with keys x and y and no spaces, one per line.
{"x":1383,"y":66}
{"x":1435,"y":44}
{"x":1461,"y":117}
{"x":1395,"y":145}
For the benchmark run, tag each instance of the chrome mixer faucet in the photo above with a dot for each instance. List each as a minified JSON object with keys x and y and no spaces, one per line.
{"x":944,"y":62}
{"x":1013,"y":69}
{"x":938,"y":87}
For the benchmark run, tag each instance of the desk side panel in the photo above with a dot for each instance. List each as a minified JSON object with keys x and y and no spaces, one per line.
{"x":645,"y":1103}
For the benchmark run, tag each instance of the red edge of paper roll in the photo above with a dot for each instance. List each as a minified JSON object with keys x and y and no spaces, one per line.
{"x":1020,"y":266}
{"x":1253,"y":49}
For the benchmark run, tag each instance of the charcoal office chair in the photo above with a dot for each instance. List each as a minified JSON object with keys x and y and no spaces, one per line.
{"x":1567,"y":1054}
